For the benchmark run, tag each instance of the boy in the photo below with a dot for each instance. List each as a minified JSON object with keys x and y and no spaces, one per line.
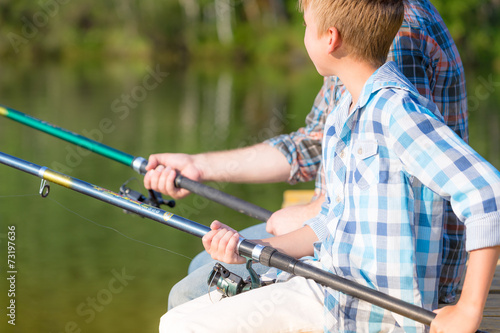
{"x":386,"y":160}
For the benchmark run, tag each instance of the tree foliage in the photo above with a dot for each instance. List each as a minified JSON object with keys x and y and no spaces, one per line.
{"x":474,"y":25}
{"x":174,"y":31}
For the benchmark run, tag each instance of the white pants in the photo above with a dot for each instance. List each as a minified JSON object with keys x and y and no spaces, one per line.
{"x":292,"y":306}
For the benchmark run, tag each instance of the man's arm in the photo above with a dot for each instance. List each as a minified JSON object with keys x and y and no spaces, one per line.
{"x":259,"y":163}
{"x":467,"y":314}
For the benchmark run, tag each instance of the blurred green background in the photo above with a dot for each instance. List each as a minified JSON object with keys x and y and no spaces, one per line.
{"x":227,"y":74}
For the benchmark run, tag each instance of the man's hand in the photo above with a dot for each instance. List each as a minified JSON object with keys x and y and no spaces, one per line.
{"x":221,"y":243}
{"x":163,"y":168}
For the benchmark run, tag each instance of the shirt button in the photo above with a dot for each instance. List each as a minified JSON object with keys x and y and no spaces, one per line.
{"x":338,"y":199}
{"x":342,"y":154}
{"x":360,"y":151}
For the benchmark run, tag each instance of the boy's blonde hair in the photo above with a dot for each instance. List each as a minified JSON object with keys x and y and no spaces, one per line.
{"x":367,"y":27}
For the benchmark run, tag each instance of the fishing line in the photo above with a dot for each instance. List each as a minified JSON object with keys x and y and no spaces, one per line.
{"x":117,"y":231}
{"x":208,"y":289}
{"x":18,"y":195}
{"x":98,"y":224}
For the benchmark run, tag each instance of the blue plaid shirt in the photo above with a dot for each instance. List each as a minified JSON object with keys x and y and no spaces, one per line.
{"x":388,"y":166}
{"x":426,"y":54}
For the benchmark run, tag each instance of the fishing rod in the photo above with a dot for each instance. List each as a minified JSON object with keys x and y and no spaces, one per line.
{"x":266,"y":255}
{"x":138,"y":164}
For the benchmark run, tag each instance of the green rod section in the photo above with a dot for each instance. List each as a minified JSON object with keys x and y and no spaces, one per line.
{"x":66,"y":135}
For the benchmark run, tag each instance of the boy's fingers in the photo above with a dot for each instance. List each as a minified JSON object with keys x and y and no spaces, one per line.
{"x":231,"y":245}
{"x":223,"y":241}
{"x":207,"y":240}
{"x":226,"y":247}
{"x":211,"y":239}
{"x":215,"y":225}
{"x":214,"y":246}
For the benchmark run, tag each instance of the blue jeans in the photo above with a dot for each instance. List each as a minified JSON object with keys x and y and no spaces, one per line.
{"x":195,"y":283}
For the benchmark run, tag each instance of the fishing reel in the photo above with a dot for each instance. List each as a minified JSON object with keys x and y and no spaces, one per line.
{"x":230,"y":284}
{"x":155,"y":199}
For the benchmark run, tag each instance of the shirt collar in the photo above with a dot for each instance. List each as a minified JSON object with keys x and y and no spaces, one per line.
{"x":386,"y":76}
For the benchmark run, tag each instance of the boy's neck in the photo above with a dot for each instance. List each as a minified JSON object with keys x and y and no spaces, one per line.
{"x":354,"y":74}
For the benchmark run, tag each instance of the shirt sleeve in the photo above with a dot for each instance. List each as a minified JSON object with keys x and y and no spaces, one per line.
{"x":302,"y":148}
{"x":319,"y":223}
{"x":430,"y":151}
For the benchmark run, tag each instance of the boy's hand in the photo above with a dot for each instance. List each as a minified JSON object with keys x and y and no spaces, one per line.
{"x":456,"y":319}
{"x":286,"y":220}
{"x":292,"y":218}
{"x":162,"y":170}
{"x":221,"y":243}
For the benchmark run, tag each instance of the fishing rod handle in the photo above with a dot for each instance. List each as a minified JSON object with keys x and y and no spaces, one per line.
{"x":223,"y":198}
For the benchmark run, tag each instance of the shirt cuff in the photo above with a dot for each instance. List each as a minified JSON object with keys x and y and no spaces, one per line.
{"x":318,"y":225}
{"x":482,"y":231}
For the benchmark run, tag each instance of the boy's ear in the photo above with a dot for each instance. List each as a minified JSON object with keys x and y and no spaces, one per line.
{"x":334,"y":39}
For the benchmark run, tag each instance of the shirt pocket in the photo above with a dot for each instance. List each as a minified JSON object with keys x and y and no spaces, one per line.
{"x":366,"y":163}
